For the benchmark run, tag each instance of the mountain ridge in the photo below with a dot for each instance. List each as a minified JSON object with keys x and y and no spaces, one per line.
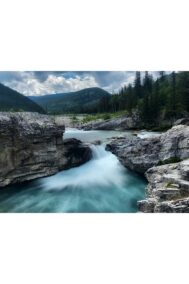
{"x":11,"y":100}
{"x":79,"y":101}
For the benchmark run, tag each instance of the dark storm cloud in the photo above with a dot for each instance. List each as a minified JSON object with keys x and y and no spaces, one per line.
{"x":43,"y":75}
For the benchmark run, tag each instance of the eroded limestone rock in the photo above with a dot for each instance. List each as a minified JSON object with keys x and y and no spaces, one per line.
{"x":140,"y":154}
{"x":32,"y":146}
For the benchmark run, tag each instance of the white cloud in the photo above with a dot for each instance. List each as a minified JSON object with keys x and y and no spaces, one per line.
{"x":42,"y":83}
{"x":29,"y":85}
{"x":119,"y":79}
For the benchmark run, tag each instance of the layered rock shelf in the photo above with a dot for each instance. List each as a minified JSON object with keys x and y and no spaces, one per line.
{"x":140,"y":154}
{"x":32,"y":146}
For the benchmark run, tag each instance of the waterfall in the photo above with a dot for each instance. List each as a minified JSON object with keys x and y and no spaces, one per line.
{"x":100,"y":185}
{"x":103,"y":170}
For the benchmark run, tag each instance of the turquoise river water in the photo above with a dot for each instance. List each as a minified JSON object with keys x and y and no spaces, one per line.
{"x":100,"y":185}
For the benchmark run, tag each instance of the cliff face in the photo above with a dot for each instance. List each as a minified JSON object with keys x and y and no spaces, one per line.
{"x":32,"y":146}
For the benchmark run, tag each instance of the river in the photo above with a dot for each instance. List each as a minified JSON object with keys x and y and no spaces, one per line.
{"x":100,"y":185}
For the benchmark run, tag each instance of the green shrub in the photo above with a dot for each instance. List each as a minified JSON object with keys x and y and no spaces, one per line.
{"x":169,"y":184}
{"x":74,"y":118}
{"x":171,"y":160}
{"x":106,"y":116}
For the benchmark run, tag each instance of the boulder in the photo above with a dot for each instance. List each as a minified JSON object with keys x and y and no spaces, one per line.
{"x":183,"y":121}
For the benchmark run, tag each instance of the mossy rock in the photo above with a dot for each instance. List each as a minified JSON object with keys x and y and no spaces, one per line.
{"x":172,"y":185}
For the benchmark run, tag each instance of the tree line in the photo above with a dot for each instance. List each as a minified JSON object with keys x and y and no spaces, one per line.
{"x":166,"y":97}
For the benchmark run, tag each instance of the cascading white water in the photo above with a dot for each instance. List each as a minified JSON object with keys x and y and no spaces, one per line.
{"x":103,"y":170}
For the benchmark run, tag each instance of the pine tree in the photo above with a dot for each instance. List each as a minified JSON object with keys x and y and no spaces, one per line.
{"x":172,"y":97}
{"x":162,"y":75}
{"x":155,"y":102}
{"x":167,"y":97}
{"x":146,"y":106}
{"x":137,"y":85}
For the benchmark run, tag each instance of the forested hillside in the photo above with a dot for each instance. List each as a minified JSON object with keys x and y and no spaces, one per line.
{"x":164,"y":98}
{"x":10,"y":100}
{"x":83,"y":101}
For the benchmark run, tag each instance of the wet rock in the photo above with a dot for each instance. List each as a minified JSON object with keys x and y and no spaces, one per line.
{"x":97,"y":142}
{"x":75,"y":152}
{"x":147,"y":206}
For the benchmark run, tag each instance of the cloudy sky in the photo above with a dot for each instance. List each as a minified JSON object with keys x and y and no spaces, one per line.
{"x":38,"y":83}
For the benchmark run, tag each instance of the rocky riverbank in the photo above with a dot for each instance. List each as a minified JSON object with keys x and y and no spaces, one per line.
{"x":140,"y":154}
{"x":120,"y":123}
{"x":132,"y":121}
{"x":165,"y":162}
{"x":168,"y":189}
{"x":32,"y":146}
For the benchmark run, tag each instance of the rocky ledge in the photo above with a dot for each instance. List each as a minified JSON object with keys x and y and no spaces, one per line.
{"x":32,"y":146}
{"x":165,"y":162}
{"x":168,"y":189}
{"x":140,"y":154}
